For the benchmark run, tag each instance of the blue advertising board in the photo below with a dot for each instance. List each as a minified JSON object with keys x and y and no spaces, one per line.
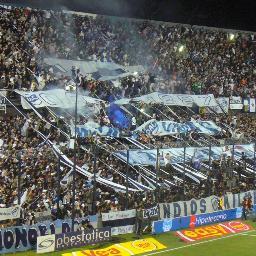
{"x":195,"y":220}
{"x":22,"y":238}
{"x":51,"y":243}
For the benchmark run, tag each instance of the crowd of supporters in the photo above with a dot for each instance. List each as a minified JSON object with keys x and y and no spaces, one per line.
{"x":187,"y":59}
{"x":177,"y":58}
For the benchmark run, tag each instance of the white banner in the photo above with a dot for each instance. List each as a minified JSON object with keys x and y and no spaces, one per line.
{"x":162,"y":128}
{"x":252,"y":105}
{"x":121,"y":222}
{"x":186,"y":100}
{"x":10,"y":213}
{"x":118,"y":215}
{"x":56,"y":98}
{"x":236,"y":102}
{"x":204,"y":205}
{"x":122,"y":230}
{"x":223,"y":105}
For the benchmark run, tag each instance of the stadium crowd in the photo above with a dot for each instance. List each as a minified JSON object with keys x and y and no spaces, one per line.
{"x":177,"y":58}
{"x":187,"y":59}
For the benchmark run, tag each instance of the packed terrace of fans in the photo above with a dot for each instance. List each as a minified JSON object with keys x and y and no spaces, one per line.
{"x":187,"y":59}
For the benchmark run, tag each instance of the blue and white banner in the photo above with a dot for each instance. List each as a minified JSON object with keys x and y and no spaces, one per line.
{"x":9,"y":213}
{"x":22,"y":238}
{"x":148,"y":157}
{"x":204,"y":205}
{"x":192,"y":221}
{"x":103,"y":131}
{"x":56,"y":98}
{"x":121,"y":222}
{"x":252,"y":107}
{"x":51,"y":243}
{"x":162,"y":128}
{"x":186,"y":100}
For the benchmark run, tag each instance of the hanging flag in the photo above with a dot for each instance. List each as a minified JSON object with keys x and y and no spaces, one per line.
{"x":252,"y":105}
{"x":246,"y":105}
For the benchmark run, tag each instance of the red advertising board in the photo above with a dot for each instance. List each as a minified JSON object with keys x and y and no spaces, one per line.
{"x":213,"y":231}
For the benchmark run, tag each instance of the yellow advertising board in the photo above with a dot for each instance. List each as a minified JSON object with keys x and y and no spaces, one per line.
{"x":122,"y":249}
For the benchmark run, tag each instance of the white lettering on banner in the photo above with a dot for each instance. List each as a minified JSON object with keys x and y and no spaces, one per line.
{"x":118,"y":215}
{"x":55,"y":98}
{"x":122,"y":230}
{"x":161,"y":128}
{"x":236,"y":102}
{"x":173,"y":99}
{"x":204,"y":205}
{"x":103,"y":131}
{"x":151,"y":212}
{"x":9,"y":213}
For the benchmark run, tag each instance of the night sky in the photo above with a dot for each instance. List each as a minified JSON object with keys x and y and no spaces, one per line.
{"x":233,"y":14}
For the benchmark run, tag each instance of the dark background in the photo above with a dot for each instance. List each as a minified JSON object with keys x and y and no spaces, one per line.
{"x":236,"y":14}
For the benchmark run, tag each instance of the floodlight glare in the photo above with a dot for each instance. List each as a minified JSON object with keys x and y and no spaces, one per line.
{"x":181,"y":48}
{"x":231,"y":37}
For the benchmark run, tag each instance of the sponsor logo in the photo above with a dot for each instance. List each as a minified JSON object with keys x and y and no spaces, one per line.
{"x":218,"y":230}
{"x":81,"y":238}
{"x":123,"y":249}
{"x":199,"y":221}
{"x":45,"y":244}
{"x":144,"y":244}
{"x":167,"y":225}
{"x":192,"y":223}
{"x":238,"y":226}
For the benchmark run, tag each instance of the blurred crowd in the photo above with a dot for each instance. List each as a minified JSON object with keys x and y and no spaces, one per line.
{"x":177,"y":59}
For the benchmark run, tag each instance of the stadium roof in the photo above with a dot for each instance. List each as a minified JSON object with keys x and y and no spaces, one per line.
{"x":232,"y":14}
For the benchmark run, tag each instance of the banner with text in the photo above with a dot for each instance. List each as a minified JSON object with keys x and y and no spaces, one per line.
{"x":197,"y":220}
{"x":70,"y":240}
{"x":185,"y":100}
{"x":56,"y":98}
{"x":121,"y":222}
{"x":10,"y":213}
{"x":203,"y":205}
{"x":162,"y":128}
{"x":23,"y":238}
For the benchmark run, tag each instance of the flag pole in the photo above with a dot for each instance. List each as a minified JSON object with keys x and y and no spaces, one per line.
{"x":94,"y":176}
{"x":74,"y":165}
{"x":184,"y":171}
{"x":127,"y":172}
